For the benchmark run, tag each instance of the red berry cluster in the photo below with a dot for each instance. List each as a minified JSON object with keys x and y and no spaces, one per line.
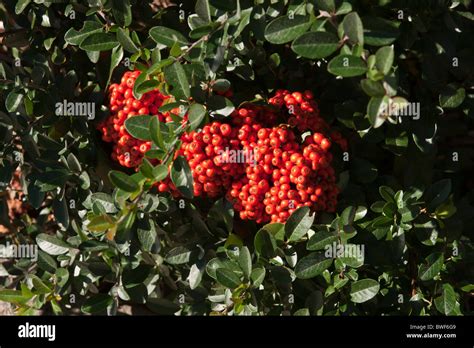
{"x":258,"y":159}
{"x":285,"y":177}
{"x":303,"y":113}
{"x":272,"y":174}
{"x":127,"y":150}
{"x":207,"y":153}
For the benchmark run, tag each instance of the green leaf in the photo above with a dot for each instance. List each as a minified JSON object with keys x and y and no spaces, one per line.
{"x":437,"y":193}
{"x":387,"y":193}
{"x":315,"y":44}
{"x":160,"y":172}
{"x":122,"y":11}
{"x":384,"y":59}
{"x":353,"y":28}
{"x":46,"y":262}
{"x":409,"y":213}
{"x":284,"y":29}
{"x":123,"y":181}
{"x":155,"y":133}
{"x":245,"y":261}
{"x":379,"y":31}
{"x":159,"y":65}
{"x":21,"y":5}
{"x":146,"y":168}
{"x":144,"y":86}
{"x":167,"y":36}
{"x":179,"y":255}
{"x":139,"y":126}
{"x":446,"y":302}
{"x":227,"y":278}
{"x":99,"y":42}
{"x":219,"y":105}
{"x":195,"y":276}
{"x":147,"y":236}
{"x":97,"y":303}
{"x":61,"y":213}
{"x":257,"y":276}
{"x":199,"y":32}
{"x":431,"y":266}
{"x":105,"y":200}
{"x":40,"y":286}
{"x":364,"y":290}
{"x":347,"y":66}
{"x":452,"y":96}
{"x":320,"y":240}
{"x":372,"y":88}
{"x":124,"y":39}
{"x":377,"y":110}
{"x":176,"y":77}
{"x":182,"y":177}
{"x":100,"y":223}
{"x":51,"y":244}
{"x":312,"y":265}
{"x":298,"y":224}
{"x":74,"y":37}
{"x":196,"y":114}
{"x":265,"y":244}
{"x":328,"y":5}
{"x":93,"y":245}
{"x":203,"y":10}
{"x":351,"y":214}
{"x":13,"y":296}
{"x":13,"y":101}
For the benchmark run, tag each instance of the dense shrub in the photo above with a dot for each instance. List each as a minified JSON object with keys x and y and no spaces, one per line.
{"x":116,"y":117}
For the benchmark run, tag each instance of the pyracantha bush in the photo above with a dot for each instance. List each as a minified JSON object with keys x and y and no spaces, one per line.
{"x":293,"y":157}
{"x":265,"y":169}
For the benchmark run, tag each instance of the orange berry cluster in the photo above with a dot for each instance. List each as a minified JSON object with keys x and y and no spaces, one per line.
{"x":265,"y":169}
{"x":127,"y":150}
{"x":303,"y":113}
{"x":257,"y":158}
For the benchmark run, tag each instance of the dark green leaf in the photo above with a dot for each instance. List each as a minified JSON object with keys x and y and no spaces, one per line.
{"x":139,"y":126}
{"x":265,"y":244}
{"x":167,"y":36}
{"x":245,"y":261}
{"x":431,"y":266}
{"x":51,"y":244}
{"x":97,"y":303}
{"x":312,"y":265}
{"x":176,"y":77}
{"x":347,"y":66}
{"x":182,"y":177}
{"x":364,"y":290}
{"x":123,"y":181}
{"x":227,"y":278}
{"x":384,"y":59}
{"x":99,"y":42}
{"x":321,"y":239}
{"x":196,"y":114}
{"x":353,"y":28}
{"x":315,"y":44}
{"x":284,"y":29}
{"x":298,"y":224}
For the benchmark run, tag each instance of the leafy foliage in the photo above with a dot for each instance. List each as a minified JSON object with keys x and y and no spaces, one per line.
{"x":401,"y":240}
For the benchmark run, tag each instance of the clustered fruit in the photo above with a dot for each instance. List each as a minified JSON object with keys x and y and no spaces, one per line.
{"x":267,"y":159}
{"x":127,"y":150}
